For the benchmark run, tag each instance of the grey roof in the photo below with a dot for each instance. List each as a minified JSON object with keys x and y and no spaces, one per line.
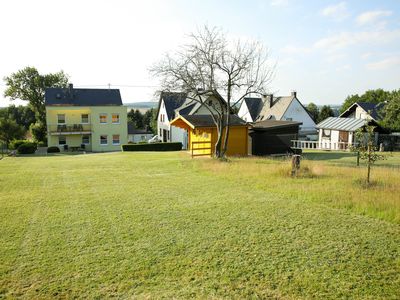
{"x":254,"y":106}
{"x":207,"y":121}
{"x":345,"y":124}
{"x":372,"y":109}
{"x":133,"y":130}
{"x":277,"y":110}
{"x":172,"y":101}
{"x":82,"y":97}
{"x":275,"y":124}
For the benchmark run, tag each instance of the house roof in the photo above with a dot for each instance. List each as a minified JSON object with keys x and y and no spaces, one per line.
{"x":172,"y":101}
{"x":195,"y":121}
{"x":133,"y":130}
{"x":345,"y":124}
{"x":277,"y":110}
{"x":82,"y":97}
{"x":254,"y":105}
{"x":275,"y":124}
{"x":372,"y":109}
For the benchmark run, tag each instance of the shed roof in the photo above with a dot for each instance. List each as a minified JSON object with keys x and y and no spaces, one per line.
{"x":195,"y":121}
{"x":82,"y":97}
{"x":345,"y":124}
{"x":275,"y":124}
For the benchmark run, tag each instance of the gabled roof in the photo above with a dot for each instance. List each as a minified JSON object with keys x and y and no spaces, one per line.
{"x":172,"y":101}
{"x":277,"y":110}
{"x":254,"y":106}
{"x":345,"y":124}
{"x":372,"y":109}
{"x":82,"y":97}
{"x":195,"y":121}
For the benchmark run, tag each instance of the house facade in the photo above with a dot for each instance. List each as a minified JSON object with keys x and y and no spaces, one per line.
{"x":90,"y":119}
{"x":136,"y":135}
{"x":172,"y":105}
{"x":288,"y":108}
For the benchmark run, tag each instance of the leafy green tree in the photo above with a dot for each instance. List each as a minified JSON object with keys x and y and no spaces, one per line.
{"x":39,"y":131}
{"x":313,"y":110}
{"x":148,"y":119}
{"x":10,"y":130}
{"x":136,"y":117}
{"x":391,"y":112}
{"x":372,"y":96}
{"x":365,"y":146}
{"x":28,"y":85}
{"x":326,"y":112}
{"x":23,"y":115}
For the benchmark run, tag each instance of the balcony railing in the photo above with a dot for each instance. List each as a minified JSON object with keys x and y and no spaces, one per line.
{"x":69,"y":128}
{"x":321,"y":145}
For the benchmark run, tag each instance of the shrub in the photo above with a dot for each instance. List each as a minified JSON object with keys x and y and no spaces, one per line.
{"x":53,"y":149}
{"x":16,"y":143}
{"x":27,"y":148}
{"x":42,"y":144}
{"x":153,"y":147}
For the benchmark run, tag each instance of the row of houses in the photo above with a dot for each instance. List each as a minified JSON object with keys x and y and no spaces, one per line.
{"x":96,"y":120}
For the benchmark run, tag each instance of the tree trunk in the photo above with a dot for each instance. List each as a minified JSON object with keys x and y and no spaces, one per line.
{"x":369,"y":164}
{"x":225,"y":146}
{"x":218,"y":153}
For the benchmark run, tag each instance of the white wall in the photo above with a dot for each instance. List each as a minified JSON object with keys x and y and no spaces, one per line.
{"x":296,"y":112}
{"x":136,"y":138}
{"x":179,"y":135}
{"x":244,"y":113}
{"x":162,"y":125}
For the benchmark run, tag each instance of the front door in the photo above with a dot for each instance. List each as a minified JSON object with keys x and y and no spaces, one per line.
{"x":343,"y":139}
{"x":164,"y":136}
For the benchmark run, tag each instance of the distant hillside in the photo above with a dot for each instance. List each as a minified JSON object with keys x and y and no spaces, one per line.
{"x":141,"y":106}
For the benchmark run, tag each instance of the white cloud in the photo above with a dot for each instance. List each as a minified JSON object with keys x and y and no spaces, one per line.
{"x":372,"y":17}
{"x":338,"y":11}
{"x":384,"y":63}
{"x":279,"y":2}
{"x":345,"y":39}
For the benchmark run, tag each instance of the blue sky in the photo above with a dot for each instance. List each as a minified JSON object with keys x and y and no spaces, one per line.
{"x":325,"y":50}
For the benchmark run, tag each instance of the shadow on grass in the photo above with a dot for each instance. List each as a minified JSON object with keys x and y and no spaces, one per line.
{"x":328,"y":155}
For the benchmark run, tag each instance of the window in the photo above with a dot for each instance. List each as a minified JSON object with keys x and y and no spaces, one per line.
{"x":85,"y":139}
{"x":61,"y":118}
{"x":143,"y":138}
{"x":326,"y":133}
{"x":62,"y":140}
{"x":115,"y":118}
{"x":167,"y":134}
{"x":103,"y":139}
{"x":84,"y":118}
{"x":103,"y":118}
{"x":115,"y":139}
{"x":160,"y":132}
{"x":289,"y":119}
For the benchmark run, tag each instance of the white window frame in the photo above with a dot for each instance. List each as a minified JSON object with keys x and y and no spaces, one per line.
{"x":119,"y":140}
{"x":65,"y":119}
{"x":103,"y":114}
{"x":59,"y":140}
{"x":106,"y":139}
{"x":87,"y":119}
{"x":112,"y":118}
{"x":88,"y":143}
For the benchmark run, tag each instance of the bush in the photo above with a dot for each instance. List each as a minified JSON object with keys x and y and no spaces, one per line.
{"x":153,"y":147}
{"x":42,"y":144}
{"x":16,"y":143}
{"x":53,"y":149}
{"x":27,"y":148}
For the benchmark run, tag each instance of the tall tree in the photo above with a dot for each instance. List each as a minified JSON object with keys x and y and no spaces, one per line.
{"x":22,"y":115}
{"x":28,"y":85}
{"x":391,"y":112}
{"x":372,"y":96}
{"x":136,"y":117}
{"x":209,"y":66}
{"x":10,"y":130}
{"x":325,"y":112}
{"x":313,"y":110}
{"x":150,"y":119}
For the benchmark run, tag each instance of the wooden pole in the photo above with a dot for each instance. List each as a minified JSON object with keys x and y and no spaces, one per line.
{"x":358,"y":158}
{"x":295,"y":164}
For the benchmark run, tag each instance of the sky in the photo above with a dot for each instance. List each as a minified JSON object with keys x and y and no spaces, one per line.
{"x":324,"y":50}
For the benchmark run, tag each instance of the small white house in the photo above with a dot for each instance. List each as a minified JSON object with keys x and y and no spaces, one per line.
{"x":287,"y":108}
{"x":138,"y":135}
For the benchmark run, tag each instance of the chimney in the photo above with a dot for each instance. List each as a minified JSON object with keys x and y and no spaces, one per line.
{"x":268,"y":100}
{"x":294,"y":94}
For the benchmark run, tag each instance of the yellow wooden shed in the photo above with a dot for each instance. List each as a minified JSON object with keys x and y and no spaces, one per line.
{"x":202,"y":134}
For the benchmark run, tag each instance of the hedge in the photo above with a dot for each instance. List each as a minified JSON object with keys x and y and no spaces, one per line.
{"x":153,"y":147}
{"x":27,"y":148}
{"x":16,"y":143}
{"x":53,"y":149}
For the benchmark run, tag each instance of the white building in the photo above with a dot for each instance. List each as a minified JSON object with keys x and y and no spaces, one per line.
{"x":277,"y":108}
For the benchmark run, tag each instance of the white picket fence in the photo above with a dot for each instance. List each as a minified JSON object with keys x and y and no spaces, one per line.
{"x":321,"y":145}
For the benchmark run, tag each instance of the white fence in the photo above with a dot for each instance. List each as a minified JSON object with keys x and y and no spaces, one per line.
{"x":321,"y":145}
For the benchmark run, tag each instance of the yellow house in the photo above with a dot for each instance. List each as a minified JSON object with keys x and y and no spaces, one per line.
{"x":202,"y":134}
{"x":90,"y":119}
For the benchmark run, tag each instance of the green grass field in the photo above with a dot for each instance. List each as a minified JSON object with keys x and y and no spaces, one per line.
{"x":161,"y":225}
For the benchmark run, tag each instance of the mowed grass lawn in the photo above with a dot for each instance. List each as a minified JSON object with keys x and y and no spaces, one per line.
{"x":161,"y":225}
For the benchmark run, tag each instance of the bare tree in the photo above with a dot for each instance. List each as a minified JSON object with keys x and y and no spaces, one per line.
{"x":210,"y":65}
